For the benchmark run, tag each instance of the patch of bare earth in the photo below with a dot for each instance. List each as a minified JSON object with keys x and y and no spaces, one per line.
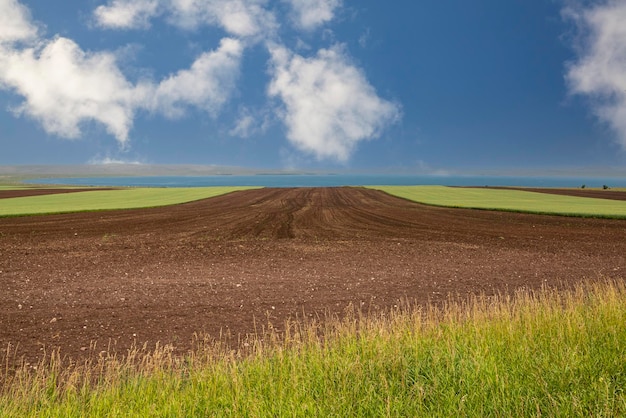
{"x":596,"y":194}
{"x":5,"y":194}
{"x":224,"y":264}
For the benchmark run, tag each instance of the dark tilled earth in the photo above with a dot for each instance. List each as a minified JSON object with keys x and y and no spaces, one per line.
{"x":87,"y":282}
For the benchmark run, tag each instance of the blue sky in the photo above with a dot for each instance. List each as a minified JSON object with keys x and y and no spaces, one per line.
{"x":419,"y":86}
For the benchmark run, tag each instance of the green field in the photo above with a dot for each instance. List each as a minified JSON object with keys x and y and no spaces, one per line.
{"x":472,"y":198}
{"x":130,"y":198}
{"x":508,"y":200}
{"x":547,"y":353}
{"x":12,"y":187}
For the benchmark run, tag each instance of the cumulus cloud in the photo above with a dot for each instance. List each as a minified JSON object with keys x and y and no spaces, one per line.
{"x":599,"y":71}
{"x":206,"y":85}
{"x":15,"y":24}
{"x":329,"y":106}
{"x":126,"y":14}
{"x":310,"y":14}
{"x":242,"y":18}
{"x":63,"y":86}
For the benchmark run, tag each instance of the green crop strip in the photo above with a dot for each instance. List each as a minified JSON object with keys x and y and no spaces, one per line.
{"x":96,"y":200}
{"x":11,"y":187}
{"x":508,"y":200}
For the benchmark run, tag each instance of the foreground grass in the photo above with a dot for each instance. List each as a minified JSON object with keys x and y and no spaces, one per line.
{"x":536,"y":354}
{"x":509,"y":200}
{"x":130,"y":198}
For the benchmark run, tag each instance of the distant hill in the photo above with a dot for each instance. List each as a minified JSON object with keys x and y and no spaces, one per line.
{"x":10,"y":173}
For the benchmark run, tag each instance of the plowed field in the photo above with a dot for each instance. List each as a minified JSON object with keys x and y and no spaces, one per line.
{"x":223,"y":264}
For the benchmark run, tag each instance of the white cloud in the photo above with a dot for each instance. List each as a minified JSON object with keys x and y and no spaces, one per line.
{"x":206,"y":85}
{"x":310,"y":14}
{"x":63,"y":86}
{"x":244,"y":126}
{"x":329,"y":106}
{"x":15,"y":22}
{"x":251,"y":122}
{"x":125,"y":14}
{"x":242,"y":18}
{"x":600,"y":69}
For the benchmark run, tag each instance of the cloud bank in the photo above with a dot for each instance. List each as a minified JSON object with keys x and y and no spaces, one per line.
{"x":324,"y":100}
{"x":599,"y":71}
{"x":64,"y":86}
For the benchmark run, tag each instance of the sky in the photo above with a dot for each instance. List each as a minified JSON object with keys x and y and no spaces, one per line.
{"x":424,"y":86}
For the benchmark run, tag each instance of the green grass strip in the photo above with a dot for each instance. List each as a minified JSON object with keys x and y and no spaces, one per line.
{"x":538,"y":354}
{"x":508,"y":200}
{"x":96,"y":200}
{"x":12,"y":187}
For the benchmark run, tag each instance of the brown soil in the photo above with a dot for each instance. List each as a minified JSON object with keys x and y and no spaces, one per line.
{"x":219,"y":265}
{"x":5,"y":194}
{"x":598,"y":194}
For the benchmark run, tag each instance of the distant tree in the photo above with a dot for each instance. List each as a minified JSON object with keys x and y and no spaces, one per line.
{"x":605,"y":187}
{"x":583,"y":186}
